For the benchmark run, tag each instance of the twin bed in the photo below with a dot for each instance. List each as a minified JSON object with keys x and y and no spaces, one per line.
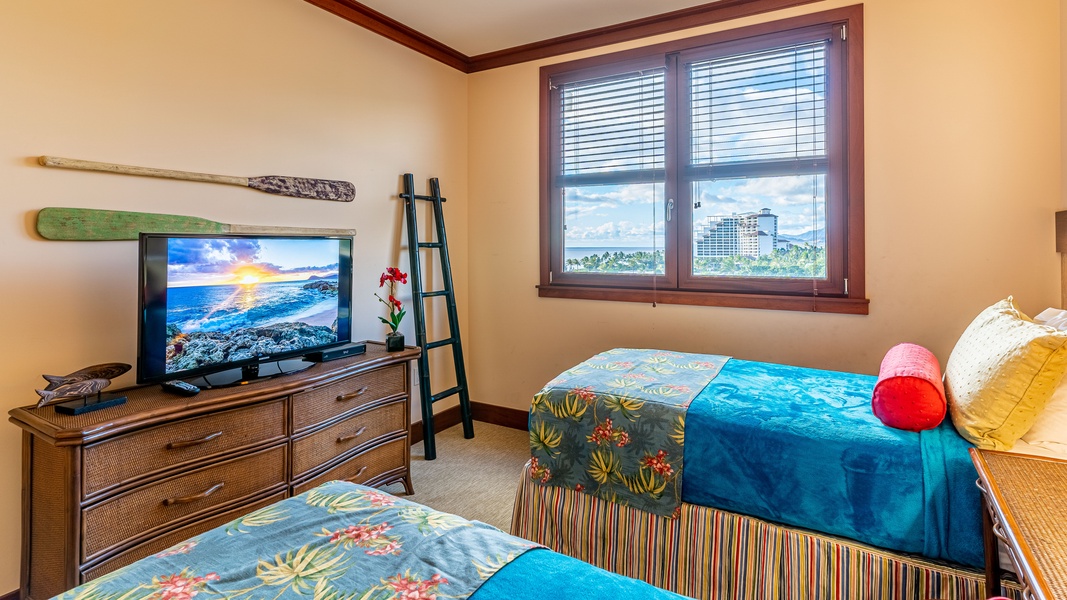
{"x":342,"y":541}
{"x":784,"y":468}
{"x":791,"y":487}
{"x":757,"y":481}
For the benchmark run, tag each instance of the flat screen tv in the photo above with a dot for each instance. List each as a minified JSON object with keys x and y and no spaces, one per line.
{"x":224,"y":309}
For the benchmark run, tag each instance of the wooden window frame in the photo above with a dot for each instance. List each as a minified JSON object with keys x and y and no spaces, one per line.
{"x":675,"y":287}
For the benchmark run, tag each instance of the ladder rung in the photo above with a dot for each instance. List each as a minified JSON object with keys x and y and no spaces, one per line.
{"x":446,"y":393}
{"x":420,"y":197}
{"x":430,"y":244}
{"x":437,"y":293}
{"x":439,"y":343}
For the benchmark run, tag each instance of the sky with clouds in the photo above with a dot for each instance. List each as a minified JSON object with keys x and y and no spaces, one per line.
{"x":213,"y":261}
{"x":623,"y":215}
{"x":762,"y":106}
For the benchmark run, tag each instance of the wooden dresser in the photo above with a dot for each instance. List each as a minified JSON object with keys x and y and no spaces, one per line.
{"x":103,"y":489}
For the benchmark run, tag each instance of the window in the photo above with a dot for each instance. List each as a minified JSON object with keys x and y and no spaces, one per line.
{"x":721,"y":170}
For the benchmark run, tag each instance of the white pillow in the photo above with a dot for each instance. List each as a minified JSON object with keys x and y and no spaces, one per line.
{"x":1053,"y":317}
{"x":1050,"y":427}
{"x":1049,"y":431}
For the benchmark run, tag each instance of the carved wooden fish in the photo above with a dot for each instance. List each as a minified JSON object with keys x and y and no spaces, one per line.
{"x":77,"y":389}
{"x":101,"y":371}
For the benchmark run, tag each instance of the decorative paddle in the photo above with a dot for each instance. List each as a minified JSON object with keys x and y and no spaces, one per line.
{"x":88,"y":224}
{"x":296,"y":187}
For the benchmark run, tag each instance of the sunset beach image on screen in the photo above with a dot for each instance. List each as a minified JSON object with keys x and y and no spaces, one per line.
{"x":232,"y":299}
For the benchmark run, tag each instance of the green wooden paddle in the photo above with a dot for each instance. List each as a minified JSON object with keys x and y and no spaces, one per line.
{"x":88,"y":224}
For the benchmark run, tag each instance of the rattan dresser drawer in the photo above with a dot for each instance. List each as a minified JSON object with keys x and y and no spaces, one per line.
{"x":151,"y":508}
{"x":94,"y":483}
{"x":176,"y":536}
{"x":130,"y":457}
{"x":362,"y":428}
{"x":364,"y":467}
{"x":320,"y":404}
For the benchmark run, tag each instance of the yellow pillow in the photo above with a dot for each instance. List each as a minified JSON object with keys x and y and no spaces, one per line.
{"x":1001,"y":374}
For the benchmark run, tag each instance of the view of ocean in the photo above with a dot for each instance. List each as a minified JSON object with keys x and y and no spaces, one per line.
{"x":579,"y":252}
{"x":228,"y":307}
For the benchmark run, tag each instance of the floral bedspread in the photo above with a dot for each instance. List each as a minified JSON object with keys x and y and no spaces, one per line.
{"x":339,"y":541}
{"x":614,"y":426}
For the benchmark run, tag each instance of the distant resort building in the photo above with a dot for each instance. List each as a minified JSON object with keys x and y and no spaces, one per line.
{"x":748,"y":234}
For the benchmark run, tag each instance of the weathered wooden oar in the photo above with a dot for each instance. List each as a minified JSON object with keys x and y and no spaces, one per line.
{"x":296,"y":187}
{"x":88,"y":224}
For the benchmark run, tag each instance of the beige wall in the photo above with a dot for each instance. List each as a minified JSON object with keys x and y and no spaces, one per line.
{"x":962,"y":179}
{"x":964,"y":166}
{"x":242,"y":87}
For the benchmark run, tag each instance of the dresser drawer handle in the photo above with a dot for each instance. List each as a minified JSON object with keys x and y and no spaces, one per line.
{"x":360,"y":471}
{"x":187,"y":443}
{"x":344,"y":438}
{"x":194,"y":497}
{"x":353,"y":395}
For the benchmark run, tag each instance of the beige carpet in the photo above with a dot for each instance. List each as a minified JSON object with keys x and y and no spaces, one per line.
{"x":476,"y":478}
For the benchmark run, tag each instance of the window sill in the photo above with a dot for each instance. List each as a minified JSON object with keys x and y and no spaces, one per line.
{"x":823,"y":304}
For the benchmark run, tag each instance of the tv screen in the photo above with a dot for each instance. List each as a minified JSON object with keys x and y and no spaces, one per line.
{"x":227,"y":303}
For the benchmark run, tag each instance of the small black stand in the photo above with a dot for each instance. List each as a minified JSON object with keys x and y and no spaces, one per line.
{"x":248,"y":373}
{"x":336,"y":352}
{"x":90,"y":403}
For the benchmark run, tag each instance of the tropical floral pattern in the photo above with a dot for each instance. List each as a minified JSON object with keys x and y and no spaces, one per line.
{"x":614,"y":426}
{"x":339,"y":541}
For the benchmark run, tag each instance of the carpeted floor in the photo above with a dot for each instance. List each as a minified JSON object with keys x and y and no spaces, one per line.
{"x":476,"y":478}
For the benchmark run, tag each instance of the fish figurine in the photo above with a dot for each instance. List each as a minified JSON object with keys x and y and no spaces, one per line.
{"x":75,"y":389}
{"x":101,"y":371}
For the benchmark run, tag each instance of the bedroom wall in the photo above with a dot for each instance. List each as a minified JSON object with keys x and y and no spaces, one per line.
{"x":963,"y":175}
{"x":243,"y":87}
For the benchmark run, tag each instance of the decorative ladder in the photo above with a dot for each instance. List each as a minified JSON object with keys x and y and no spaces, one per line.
{"x":418,"y":297}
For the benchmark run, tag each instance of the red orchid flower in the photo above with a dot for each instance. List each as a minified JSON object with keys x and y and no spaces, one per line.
{"x":392,"y":276}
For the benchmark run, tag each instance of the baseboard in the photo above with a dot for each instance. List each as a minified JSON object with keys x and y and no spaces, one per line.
{"x":10,"y":596}
{"x":501,"y":415}
{"x":486,"y":413}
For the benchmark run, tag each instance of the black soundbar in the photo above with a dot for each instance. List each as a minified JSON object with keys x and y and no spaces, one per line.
{"x":335,"y":353}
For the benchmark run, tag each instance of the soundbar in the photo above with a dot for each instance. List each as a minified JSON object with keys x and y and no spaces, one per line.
{"x":335,"y":353}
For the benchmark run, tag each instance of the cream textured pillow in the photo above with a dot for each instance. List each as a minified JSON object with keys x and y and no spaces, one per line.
{"x":1001,"y":374}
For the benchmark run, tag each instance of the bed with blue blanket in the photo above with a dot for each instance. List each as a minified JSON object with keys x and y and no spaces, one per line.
{"x":342,"y":541}
{"x":788,"y":446}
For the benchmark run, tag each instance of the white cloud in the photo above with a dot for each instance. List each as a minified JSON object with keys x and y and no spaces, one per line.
{"x":623,"y":233}
{"x":789,"y":197}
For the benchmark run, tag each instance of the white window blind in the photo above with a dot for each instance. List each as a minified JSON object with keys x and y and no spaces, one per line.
{"x":613,"y":124}
{"x":761,"y":106}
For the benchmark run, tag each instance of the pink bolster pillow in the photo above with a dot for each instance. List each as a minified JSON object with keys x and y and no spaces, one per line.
{"x":909,"y":393}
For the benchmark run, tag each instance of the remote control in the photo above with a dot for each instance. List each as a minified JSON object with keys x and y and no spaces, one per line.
{"x":180,"y":387}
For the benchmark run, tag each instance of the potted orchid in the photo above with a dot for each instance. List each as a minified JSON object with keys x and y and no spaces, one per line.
{"x":394,"y":340}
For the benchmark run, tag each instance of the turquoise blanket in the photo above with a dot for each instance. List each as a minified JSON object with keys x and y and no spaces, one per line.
{"x":547,"y":575}
{"x":802,"y":447}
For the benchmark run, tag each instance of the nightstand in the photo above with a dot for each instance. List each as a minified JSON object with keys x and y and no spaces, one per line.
{"x":1025,"y":500}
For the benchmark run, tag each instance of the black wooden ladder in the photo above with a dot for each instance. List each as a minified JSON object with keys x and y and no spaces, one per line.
{"x":418,"y":298}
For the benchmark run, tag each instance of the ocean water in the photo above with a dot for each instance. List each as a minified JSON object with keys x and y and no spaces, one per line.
{"x":578,"y":252}
{"x":229,"y":307}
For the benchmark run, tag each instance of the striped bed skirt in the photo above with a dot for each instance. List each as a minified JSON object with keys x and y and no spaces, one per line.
{"x":714,"y":554}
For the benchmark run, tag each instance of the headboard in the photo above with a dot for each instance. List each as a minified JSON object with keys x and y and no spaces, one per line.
{"x":1061,"y":247}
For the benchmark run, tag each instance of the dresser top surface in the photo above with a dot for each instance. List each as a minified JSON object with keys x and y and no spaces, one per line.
{"x":149,"y":404}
